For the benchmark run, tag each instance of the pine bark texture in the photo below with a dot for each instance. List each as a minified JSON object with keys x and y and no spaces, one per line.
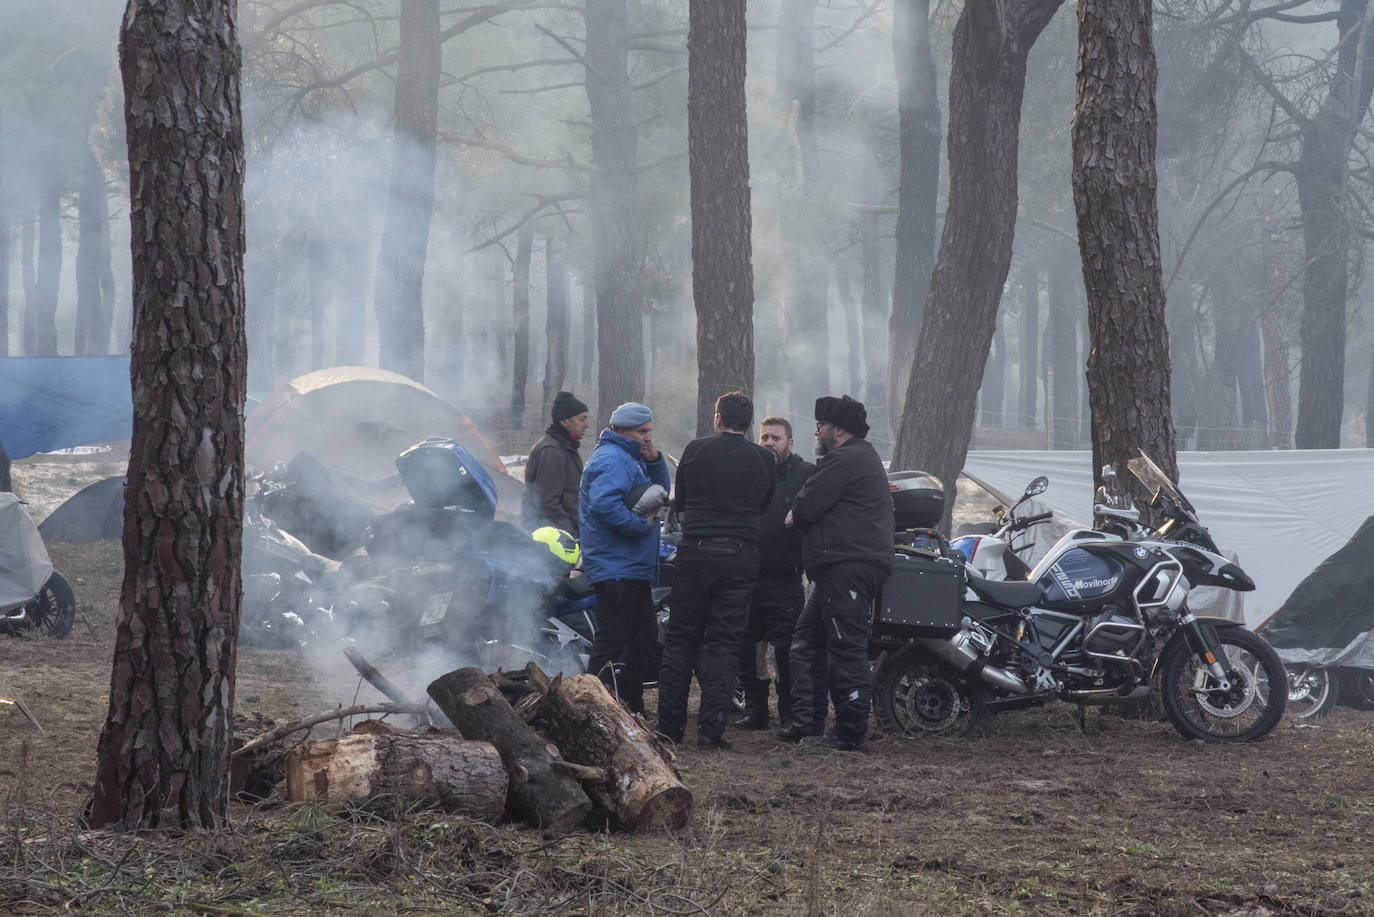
{"x":1323,"y":168}
{"x":986,"y":83}
{"x":803,"y":345}
{"x":918,"y":113}
{"x":163,"y":756}
{"x":1114,"y":184}
{"x":615,"y":140}
{"x":410,"y":204}
{"x":718,"y":161}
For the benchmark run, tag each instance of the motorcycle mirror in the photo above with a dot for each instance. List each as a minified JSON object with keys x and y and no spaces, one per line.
{"x":1036,"y":488}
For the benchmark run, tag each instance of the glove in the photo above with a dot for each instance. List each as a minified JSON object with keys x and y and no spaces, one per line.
{"x":646,"y":499}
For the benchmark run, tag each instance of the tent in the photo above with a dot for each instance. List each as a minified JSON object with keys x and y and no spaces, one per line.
{"x":355,"y":420}
{"x":93,"y":513}
{"x":1280,"y":512}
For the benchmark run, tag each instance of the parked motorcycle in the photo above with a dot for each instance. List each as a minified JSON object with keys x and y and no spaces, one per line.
{"x":33,"y":596}
{"x":991,"y":549}
{"x":1103,"y":617}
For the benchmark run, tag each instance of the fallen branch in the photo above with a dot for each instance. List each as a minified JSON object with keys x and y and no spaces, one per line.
{"x":339,"y":714}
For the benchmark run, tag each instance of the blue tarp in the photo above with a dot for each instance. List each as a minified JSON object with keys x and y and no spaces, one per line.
{"x":49,"y":403}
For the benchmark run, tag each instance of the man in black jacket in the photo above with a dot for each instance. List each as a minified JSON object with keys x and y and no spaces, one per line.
{"x":778,"y":596}
{"x":724,"y":483}
{"x":553,"y":472}
{"x":845,"y":515}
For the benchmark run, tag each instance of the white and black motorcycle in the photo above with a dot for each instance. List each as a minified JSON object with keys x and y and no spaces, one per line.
{"x":1102,"y":619}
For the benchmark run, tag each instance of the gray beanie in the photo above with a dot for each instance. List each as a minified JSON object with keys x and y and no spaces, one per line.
{"x":631,"y":414}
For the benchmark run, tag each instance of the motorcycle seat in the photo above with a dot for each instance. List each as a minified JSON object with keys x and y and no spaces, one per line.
{"x":1008,"y":595}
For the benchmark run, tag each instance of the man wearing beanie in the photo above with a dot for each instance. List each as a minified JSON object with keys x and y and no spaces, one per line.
{"x":620,"y":550}
{"x":553,"y":472}
{"x":844,"y":511}
{"x":724,"y":483}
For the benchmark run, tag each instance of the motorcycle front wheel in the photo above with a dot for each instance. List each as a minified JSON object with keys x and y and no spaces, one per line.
{"x":1311,"y":691}
{"x":53,"y":610}
{"x":915,"y":695}
{"x":1247,"y":709}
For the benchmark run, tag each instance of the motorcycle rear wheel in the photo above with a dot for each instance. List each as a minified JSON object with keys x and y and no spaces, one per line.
{"x":53,"y":610}
{"x":916,"y":695}
{"x":1311,"y":691}
{"x":1248,"y":711}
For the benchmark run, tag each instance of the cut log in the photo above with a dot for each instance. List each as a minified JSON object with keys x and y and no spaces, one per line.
{"x":379,"y":769}
{"x":642,"y":788}
{"x":539,"y":795}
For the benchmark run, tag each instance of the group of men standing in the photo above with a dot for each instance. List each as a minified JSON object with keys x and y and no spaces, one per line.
{"x":754,"y":518}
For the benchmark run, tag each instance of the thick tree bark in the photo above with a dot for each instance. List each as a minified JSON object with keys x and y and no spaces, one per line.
{"x":555,"y":323}
{"x":520,"y":301}
{"x":94,"y":274}
{"x":804,"y":351}
{"x":1114,"y":181}
{"x":986,"y":82}
{"x":163,"y":756}
{"x":718,"y":160}
{"x":405,"y":239}
{"x":918,"y":110}
{"x":615,"y":139}
{"x":1063,"y":368}
{"x":1029,"y":361}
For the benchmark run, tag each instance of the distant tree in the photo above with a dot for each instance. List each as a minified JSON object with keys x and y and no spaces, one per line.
{"x":1063,"y":368}
{"x":163,"y":755}
{"x":40,"y":309}
{"x":555,"y":323}
{"x":1029,"y":361}
{"x":1114,"y":183}
{"x":918,"y":109}
{"x":520,"y":374}
{"x":718,"y":158}
{"x":94,"y":275}
{"x":405,"y":238}
{"x":986,"y":82}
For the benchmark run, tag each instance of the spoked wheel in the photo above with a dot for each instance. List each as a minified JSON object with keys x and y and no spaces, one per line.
{"x":916,"y":695}
{"x":1247,"y":707}
{"x":53,"y":610}
{"x":1311,"y":691}
{"x":1357,"y":688}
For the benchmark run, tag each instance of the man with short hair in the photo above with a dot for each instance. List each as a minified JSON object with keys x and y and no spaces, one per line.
{"x":778,"y":595}
{"x":553,"y":472}
{"x":620,"y":537}
{"x":845,"y":515}
{"x":724,"y":483}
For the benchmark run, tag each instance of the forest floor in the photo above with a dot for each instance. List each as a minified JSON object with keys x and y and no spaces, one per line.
{"x":1046,"y":814}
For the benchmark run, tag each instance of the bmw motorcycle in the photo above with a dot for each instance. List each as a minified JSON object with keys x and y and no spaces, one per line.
{"x":1102,"y":619}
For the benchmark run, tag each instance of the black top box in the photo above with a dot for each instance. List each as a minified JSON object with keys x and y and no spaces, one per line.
{"x":918,"y":499}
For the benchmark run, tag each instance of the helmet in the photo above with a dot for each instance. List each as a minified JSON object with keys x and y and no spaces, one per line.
{"x":562,"y":545}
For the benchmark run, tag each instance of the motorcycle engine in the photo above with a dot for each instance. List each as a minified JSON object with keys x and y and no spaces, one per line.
{"x":1113,"y":634}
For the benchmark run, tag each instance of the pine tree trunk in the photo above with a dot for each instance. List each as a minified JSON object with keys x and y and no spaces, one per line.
{"x":986,"y":83}
{"x":615,"y":139}
{"x":1028,"y":393}
{"x":718,"y":161}
{"x":875,"y":307}
{"x":405,"y":240}
{"x":1062,"y":363}
{"x":40,"y":327}
{"x":555,"y":323}
{"x":94,"y":293}
{"x":1114,"y":180}
{"x":918,"y":113}
{"x":992,"y":391}
{"x":163,"y":755}
{"x":520,"y":299}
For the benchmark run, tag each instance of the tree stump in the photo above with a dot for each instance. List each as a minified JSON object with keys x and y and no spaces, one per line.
{"x":540,"y":794}
{"x":375,"y":768}
{"x":641,"y":787}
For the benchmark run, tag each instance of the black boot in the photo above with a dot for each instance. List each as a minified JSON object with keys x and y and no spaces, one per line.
{"x":755,"y":704}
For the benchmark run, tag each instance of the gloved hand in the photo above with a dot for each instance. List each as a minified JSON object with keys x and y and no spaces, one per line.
{"x":646,"y":499}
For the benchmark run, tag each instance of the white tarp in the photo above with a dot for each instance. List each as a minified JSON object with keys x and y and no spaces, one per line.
{"x":24,"y":563}
{"x":1281,"y":513}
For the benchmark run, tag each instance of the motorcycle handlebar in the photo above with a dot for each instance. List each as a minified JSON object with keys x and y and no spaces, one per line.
{"x":1032,"y":520}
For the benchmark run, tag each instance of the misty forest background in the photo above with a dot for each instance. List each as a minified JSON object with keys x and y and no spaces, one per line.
{"x":525,"y":208}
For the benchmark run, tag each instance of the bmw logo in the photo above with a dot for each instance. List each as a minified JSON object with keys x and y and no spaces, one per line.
{"x":1140,"y":552}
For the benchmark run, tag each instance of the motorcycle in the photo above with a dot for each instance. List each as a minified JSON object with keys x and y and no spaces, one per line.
{"x":1102,"y":619}
{"x":990,"y":549}
{"x":33,"y":595}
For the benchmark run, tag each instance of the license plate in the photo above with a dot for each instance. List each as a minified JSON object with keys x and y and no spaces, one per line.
{"x":436,"y":608}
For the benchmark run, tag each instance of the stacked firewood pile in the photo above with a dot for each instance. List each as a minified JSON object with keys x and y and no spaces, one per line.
{"x":554,"y":753}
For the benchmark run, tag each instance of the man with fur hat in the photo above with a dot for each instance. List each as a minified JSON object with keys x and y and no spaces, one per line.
{"x":845,"y":515}
{"x":626,"y":480}
{"x":553,"y":472}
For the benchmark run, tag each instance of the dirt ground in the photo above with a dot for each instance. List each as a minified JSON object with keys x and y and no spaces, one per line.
{"x":1041,"y":816}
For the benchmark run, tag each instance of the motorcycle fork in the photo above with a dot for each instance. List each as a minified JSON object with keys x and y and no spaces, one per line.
{"x":1202,"y":640}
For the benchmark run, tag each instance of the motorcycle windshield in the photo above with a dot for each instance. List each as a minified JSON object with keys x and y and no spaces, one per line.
{"x":1156,"y":482}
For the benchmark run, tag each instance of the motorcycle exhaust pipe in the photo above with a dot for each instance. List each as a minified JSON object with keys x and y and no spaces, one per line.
{"x":958,"y":652}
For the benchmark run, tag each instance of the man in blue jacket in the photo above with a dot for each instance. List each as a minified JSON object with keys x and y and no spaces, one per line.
{"x":620,"y":548}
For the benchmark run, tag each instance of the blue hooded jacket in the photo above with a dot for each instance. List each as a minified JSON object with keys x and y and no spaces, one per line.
{"x":617,"y":543}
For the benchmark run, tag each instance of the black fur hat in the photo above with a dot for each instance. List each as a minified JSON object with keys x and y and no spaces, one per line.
{"x":844,"y":412}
